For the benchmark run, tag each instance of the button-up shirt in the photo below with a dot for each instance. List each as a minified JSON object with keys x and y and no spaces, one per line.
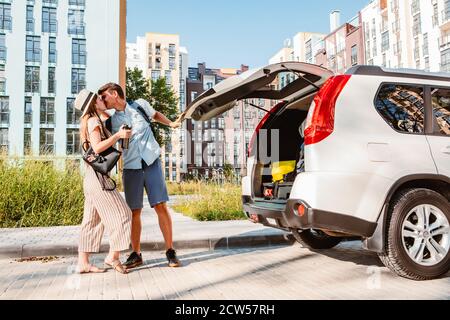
{"x":143,"y":145}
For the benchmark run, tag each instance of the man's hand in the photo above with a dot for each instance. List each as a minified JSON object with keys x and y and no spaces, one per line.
{"x":177,"y":123}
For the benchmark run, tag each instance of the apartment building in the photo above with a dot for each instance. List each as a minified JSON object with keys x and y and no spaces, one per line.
{"x":49,"y":51}
{"x":343,"y":47}
{"x":408,"y":34}
{"x":219,"y":141}
{"x":160,"y":55}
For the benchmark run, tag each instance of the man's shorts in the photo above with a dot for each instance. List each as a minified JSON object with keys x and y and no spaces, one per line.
{"x":149,"y":177}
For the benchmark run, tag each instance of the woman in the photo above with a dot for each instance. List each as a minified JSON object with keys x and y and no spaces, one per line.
{"x":103,"y":210}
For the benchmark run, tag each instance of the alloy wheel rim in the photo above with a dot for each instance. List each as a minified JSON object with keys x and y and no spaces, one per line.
{"x":426,"y":235}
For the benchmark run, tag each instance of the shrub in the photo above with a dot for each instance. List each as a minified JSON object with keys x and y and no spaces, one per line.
{"x":36,"y":194}
{"x":213,"y":202}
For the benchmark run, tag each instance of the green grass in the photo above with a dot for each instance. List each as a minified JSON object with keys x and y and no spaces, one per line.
{"x":184,"y":188}
{"x":211,"y":202}
{"x":36,"y":194}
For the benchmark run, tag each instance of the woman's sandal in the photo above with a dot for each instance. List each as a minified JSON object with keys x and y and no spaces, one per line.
{"x":89,"y":269}
{"x":116,"y":265}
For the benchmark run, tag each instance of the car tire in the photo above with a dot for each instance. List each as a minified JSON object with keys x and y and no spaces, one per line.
{"x":415,"y":251}
{"x":315,"y":239}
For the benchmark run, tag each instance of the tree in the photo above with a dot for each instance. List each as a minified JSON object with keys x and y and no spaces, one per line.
{"x":137,"y":86}
{"x":164,"y":100}
{"x":160,"y":96}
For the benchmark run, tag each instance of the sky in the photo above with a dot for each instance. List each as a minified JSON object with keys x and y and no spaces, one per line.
{"x":226,"y":34}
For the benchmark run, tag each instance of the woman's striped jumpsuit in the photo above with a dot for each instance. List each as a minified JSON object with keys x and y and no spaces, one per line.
{"x":103,"y":211}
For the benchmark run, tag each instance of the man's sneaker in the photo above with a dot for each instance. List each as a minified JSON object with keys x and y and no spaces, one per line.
{"x":172,"y":257}
{"x":134,"y":261}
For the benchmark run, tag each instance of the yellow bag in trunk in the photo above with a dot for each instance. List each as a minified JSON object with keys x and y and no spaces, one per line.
{"x":280,"y":169}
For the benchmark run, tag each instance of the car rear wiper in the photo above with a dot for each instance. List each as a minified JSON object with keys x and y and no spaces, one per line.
{"x":298,"y":74}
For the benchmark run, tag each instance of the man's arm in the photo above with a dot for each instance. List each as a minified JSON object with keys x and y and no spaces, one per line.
{"x":159,"y":117}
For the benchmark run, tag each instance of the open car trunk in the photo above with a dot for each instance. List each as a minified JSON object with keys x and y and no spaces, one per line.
{"x":273,"y":180}
{"x":285,"y":119}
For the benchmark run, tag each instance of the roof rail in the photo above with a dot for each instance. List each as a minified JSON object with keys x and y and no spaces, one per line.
{"x":398,"y":73}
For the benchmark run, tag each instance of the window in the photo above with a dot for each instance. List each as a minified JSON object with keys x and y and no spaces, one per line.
{"x":441,"y":108}
{"x":4,"y":110}
{"x":47,"y":141}
{"x":158,"y":49}
{"x":308,"y":49}
{"x":49,"y":23}
{"x":172,"y":50}
{"x":79,"y":51}
{"x":33,"y":49}
{"x":73,"y":141}
{"x":168,"y":76}
{"x":52,"y":50}
{"x":32,"y":81}
{"x":27,"y":142}
{"x":385,"y":42}
{"x":4,"y":143}
{"x":73,"y":115}
{"x":156,"y":74}
{"x":2,"y":47}
{"x":80,"y":3}
{"x":445,"y":60}
{"x":158,"y":63}
{"x":172,"y":63}
{"x":28,"y":111}
{"x":402,"y":107}
{"x":2,"y":80}
{"x":30,"y":19}
{"x":78,"y":80}
{"x":47,"y":111}
{"x":51,"y":80}
{"x":76,"y":22}
{"x":5,"y":16}
{"x":425,"y":44}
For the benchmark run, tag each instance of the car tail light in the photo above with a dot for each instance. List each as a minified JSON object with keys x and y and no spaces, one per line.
{"x":320,"y":123}
{"x":300,"y":210}
{"x":261,"y":124}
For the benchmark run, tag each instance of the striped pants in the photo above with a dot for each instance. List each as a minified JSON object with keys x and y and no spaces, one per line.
{"x":103,"y":211}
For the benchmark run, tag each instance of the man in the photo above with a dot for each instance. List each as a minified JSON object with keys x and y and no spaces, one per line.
{"x":142,"y":167}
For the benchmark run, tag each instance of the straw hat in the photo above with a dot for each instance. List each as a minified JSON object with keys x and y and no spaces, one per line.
{"x":83,"y":100}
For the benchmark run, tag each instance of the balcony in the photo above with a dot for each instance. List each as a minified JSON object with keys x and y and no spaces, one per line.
{"x":50,"y":27}
{"x":444,"y":66}
{"x":30,"y":25}
{"x":33,"y":56}
{"x":445,"y":19}
{"x":415,"y":7}
{"x":3,"y":86}
{"x":50,"y":3}
{"x":77,"y":30}
{"x":3,"y":54}
{"x":32,"y":88}
{"x":77,"y":3}
{"x":5,"y":23}
{"x":52,"y":88}
{"x":444,"y":42}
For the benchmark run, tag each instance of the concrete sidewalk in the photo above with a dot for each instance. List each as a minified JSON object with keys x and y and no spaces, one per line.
{"x":188,"y":234}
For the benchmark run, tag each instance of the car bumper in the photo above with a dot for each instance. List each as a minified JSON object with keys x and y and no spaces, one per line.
{"x":286,"y":217}
{"x":324,"y":220}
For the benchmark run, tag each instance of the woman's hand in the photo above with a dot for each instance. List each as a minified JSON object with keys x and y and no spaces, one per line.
{"x":124,"y":133}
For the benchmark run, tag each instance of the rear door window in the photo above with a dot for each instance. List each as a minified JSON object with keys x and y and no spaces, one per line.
{"x":441,"y":109}
{"x":402,"y":107}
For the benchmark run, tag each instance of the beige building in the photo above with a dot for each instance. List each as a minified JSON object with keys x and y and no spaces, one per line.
{"x":158,"y":56}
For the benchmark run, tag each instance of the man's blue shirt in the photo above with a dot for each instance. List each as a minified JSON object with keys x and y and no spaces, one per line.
{"x":143,"y":145}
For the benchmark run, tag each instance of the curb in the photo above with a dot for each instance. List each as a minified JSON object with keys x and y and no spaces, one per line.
{"x":233,"y":242}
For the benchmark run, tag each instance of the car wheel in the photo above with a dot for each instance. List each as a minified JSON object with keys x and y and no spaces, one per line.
{"x":418,"y":235}
{"x":315,"y":239}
